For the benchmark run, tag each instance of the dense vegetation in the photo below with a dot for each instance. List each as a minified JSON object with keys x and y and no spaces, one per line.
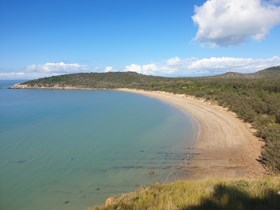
{"x":255,"y":98}
{"x":202,"y":195}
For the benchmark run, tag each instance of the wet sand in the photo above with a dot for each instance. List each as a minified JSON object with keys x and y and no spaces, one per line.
{"x":226,"y":146}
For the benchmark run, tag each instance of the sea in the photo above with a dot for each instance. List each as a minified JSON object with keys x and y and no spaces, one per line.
{"x":72,"y":149}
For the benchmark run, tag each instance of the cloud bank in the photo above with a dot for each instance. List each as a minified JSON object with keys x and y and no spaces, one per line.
{"x":204,"y":67}
{"x":57,"y":68}
{"x":230,"y":22}
{"x":171,"y":67}
{"x":45,"y":70}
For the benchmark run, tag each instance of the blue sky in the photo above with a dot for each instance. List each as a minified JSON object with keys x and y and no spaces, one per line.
{"x":159,"y":37}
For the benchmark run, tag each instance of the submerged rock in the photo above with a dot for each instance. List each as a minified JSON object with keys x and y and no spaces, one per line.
{"x":83,"y":196}
{"x":152,"y":173}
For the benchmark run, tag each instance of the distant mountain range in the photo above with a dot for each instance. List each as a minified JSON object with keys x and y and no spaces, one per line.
{"x":271,"y":72}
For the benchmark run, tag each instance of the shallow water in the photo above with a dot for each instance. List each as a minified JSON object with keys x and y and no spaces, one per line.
{"x":71,"y":149}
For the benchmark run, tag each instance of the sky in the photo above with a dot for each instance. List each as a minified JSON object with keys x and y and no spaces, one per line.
{"x":40,"y":38}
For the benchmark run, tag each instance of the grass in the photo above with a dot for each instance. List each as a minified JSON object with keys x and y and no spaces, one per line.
{"x":237,"y":194}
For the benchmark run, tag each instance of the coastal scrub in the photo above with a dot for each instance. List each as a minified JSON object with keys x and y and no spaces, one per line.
{"x":211,"y":194}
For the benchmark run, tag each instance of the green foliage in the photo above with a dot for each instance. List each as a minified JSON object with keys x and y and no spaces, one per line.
{"x":271,"y":153}
{"x":255,"y":98}
{"x":203,"y":194}
{"x":277,"y":117}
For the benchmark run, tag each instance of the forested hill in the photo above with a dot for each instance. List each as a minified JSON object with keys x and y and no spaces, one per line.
{"x":255,"y":98}
{"x":271,"y":72}
{"x":96,"y":80}
{"x":134,"y":80}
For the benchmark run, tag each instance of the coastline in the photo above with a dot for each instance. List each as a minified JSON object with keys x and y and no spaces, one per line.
{"x":20,"y":86}
{"x":226,"y":146}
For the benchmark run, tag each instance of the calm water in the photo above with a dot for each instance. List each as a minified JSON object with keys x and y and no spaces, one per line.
{"x":71,"y":149}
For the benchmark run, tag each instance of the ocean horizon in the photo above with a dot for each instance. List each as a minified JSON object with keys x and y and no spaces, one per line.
{"x":71,"y":149}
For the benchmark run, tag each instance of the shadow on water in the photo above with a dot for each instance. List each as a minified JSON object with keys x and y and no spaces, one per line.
{"x":230,"y":198}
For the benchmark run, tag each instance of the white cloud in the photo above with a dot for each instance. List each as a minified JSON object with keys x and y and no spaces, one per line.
{"x":57,"y":68}
{"x":142,"y":69}
{"x":182,"y":67}
{"x":134,"y":68}
{"x":230,"y":22}
{"x":204,"y":66}
{"x":45,"y":70}
{"x":108,"y":69}
{"x":149,"y":68}
{"x":221,"y":62}
{"x":173,"y":61}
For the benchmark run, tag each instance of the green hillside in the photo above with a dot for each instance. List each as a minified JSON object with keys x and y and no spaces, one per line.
{"x":272,"y":72}
{"x":255,"y":98}
{"x":269,"y":72}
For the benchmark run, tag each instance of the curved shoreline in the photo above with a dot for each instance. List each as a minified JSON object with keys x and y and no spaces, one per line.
{"x":226,"y":148}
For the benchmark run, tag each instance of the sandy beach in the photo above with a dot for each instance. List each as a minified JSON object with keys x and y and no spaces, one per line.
{"x":226,"y":146}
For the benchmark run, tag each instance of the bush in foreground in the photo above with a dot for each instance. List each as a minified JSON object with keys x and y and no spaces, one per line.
{"x":260,"y":194}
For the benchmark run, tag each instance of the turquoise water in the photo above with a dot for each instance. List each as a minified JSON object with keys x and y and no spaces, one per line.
{"x":71,"y":149}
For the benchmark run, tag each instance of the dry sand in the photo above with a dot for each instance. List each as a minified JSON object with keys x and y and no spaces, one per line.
{"x":226,"y":146}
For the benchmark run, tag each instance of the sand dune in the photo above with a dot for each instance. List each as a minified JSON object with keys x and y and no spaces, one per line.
{"x":226,"y":146}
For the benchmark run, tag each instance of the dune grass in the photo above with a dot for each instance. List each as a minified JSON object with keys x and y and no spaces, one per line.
{"x":237,"y":194}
